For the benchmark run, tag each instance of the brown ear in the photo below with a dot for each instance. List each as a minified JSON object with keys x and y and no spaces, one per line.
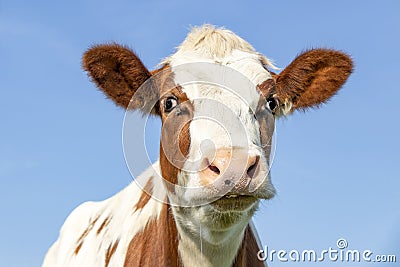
{"x":118,"y":72}
{"x":312,"y":78}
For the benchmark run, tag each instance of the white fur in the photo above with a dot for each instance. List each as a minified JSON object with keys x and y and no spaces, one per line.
{"x":219,"y":72}
{"x":212,"y":254}
{"x":192,"y":50}
{"x":221,"y":83}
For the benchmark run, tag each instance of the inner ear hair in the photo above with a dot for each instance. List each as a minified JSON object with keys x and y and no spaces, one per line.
{"x":313,"y":78}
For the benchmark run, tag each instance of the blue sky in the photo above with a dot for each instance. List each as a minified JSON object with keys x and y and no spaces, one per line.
{"x":336,"y":169}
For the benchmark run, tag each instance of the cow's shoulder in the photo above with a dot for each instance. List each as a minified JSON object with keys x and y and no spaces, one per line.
{"x":95,"y":232}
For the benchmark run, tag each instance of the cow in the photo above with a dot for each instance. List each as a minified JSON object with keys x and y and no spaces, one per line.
{"x":217,"y":99}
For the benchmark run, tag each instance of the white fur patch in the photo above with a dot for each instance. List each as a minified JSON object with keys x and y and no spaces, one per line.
{"x":208,"y":42}
{"x":219,"y":72}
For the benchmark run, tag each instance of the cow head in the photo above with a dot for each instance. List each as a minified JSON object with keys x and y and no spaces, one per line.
{"x":218,"y":100}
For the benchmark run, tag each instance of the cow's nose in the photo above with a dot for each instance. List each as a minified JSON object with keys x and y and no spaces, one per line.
{"x":234,"y":167}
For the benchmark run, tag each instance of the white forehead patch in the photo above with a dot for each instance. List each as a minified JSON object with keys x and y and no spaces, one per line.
{"x":224,"y":101}
{"x":220,"y":72}
{"x":222,"y":81}
{"x":207,"y":44}
{"x":248,"y":64}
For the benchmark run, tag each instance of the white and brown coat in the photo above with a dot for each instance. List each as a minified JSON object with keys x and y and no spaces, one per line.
{"x":193,"y":207}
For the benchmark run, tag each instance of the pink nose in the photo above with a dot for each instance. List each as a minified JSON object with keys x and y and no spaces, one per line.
{"x":234,"y":167}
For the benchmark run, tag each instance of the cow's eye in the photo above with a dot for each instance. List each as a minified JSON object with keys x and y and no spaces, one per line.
{"x":271,"y":104}
{"x":170,"y":103}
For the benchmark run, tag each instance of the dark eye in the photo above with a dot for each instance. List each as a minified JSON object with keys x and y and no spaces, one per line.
{"x":170,"y":103}
{"x":271,"y":104}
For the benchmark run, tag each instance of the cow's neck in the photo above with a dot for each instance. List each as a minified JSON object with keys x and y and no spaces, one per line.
{"x":195,"y":248}
{"x":157,"y":244}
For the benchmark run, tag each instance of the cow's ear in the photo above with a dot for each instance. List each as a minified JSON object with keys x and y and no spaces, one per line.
{"x":119,"y":72}
{"x":311,"y":79}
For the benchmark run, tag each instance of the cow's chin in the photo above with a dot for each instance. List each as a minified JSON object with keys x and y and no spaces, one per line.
{"x":226,"y":213}
{"x":218,"y":213}
{"x":234,"y":203}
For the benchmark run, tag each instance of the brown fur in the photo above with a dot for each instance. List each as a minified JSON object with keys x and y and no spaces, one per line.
{"x":110,"y":252}
{"x":184,"y":139}
{"x":146,"y":195}
{"x":78,"y":247}
{"x":81,"y":239}
{"x":118,"y":72}
{"x":267,"y":88}
{"x":103,"y":224}
{"x":175,"y":136}
{"x":157,"y":244}
{"x":169,"y":172}
{"x":247,"y":254}
{"x":313,"y":77}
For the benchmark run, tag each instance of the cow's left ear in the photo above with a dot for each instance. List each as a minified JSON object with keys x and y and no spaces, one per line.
{"x":311,"y":79}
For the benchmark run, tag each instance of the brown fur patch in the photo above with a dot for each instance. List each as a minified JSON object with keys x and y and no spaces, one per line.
{"x":313,"y":77}
{"x":175,"y":135}
{"x":147,"y":191}
{"x":103,"y":224}
{"x":76,"y":251}
{"x":169,"y":171}
{"x":110,"y":252}
{"x":267,"y":88}
{"x":157,"y":244}
{"x":118,"y":72}
{"x":81,"y":239}
{"x":184,"y":139}
{"x":247,"y":253}
{"x":164,"y":78}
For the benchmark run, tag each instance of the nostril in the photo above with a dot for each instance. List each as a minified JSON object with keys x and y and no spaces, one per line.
{"x":214,"y":169}
{"x":253,"y":167}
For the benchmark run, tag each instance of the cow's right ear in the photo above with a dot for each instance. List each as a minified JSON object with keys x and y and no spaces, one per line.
{"x":118,"y":72}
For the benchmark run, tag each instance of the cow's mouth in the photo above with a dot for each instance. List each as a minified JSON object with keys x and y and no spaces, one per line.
{"x":234,"y":202}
